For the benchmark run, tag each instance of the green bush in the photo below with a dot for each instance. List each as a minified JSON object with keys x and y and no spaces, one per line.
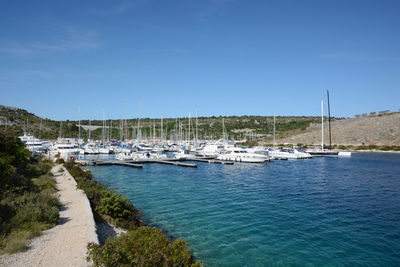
{"x":45,"y":183}
{"x":113,"y":205}
{"x":120,"y":209}
{"x":33,"y":207}
{"x":145,"y":246}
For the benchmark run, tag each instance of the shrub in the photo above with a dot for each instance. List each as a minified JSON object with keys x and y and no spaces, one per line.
{"x":36,"y":207}
{"x":120,"y":209}
{"x":113,"y":204}
{"x":145,"y":246}
{"x":17,"y":242}
{"x":45,"y":183}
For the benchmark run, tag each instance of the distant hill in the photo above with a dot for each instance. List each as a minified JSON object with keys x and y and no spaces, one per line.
{"x":237,"y":127}
{"x":382,"y":130}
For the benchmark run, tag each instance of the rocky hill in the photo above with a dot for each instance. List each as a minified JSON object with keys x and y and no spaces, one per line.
{"x":382,"y":130}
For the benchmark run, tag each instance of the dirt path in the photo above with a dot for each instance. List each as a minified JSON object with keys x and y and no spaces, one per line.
{"x":64,"y":244}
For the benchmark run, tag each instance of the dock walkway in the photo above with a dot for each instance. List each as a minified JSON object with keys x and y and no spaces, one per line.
{"x":211,"y":161}
{"x":138,"y":163}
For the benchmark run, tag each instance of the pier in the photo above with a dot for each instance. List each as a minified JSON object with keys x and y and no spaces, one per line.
{"x":211,"y":161}
{"x":138,"y":163}
{"x":117,"y":162}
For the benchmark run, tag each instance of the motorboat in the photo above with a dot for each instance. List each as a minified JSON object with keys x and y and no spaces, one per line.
{"x":282,"y":153}
{"x":241,"y":155}
{"x":259,"y":150}
{"x":301,"y":153}
{"x":64,"y":149}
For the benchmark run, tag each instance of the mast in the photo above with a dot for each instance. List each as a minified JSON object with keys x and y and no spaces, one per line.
{"x":274,"y":132}
{"x":123,"y":124}
{"x":79,"y":118}
{"x":322,"y":123}
{"x":139,"y":132}
{"x":103,"y":133}
{"x":197,"y":125}
{"x":110,"y":130}
{"x":329,"y":122}
{"x":161,"y":137}
{"x":189,"y":129}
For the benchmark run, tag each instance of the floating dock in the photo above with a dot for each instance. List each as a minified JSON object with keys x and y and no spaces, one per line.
{"x":211,"y":161}
{"x":138,"y":163}
{"x":117,"y":162}
{"x":166,"y":161}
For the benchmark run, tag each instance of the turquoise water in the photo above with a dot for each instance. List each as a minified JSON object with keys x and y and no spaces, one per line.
{"x":322,"y":211}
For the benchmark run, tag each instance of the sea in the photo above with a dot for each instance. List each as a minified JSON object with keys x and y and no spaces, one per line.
{"x":326,"y":211}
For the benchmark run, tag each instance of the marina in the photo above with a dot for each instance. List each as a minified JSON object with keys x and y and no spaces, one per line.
{"x":333,"y":208}
{"x":217,"y":133}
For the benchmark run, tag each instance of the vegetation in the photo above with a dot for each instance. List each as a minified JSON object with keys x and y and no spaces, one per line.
{"x":145,"y":246}
{"x":27,"y":201}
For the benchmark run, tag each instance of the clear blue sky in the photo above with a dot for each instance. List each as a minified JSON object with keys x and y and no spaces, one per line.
{"x":222,"y":57}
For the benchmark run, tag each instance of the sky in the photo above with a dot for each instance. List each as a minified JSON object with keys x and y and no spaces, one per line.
{"x":153,"y":58}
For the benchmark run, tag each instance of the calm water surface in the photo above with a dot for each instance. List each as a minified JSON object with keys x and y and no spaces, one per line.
{"x":322,"y":211}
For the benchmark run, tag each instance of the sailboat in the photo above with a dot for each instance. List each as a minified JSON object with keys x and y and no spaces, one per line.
{"x":327,"y":152}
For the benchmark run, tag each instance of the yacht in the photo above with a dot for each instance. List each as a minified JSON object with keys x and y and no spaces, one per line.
{"x":124,"y":156}
{"x":186,"y":154}
{"x":259,"y":150}
{"x":211,"y":150}
{"x":64,"y":149}
{"x":241,"y":155}
{"x":301,"y":153}
{"x":282,"y":153}
{"x":90,"y":148}
{"x":34,"y":144}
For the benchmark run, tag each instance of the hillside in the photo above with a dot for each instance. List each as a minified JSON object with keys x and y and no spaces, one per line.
{"x":237,"y":127}
{"x":382,"y":130}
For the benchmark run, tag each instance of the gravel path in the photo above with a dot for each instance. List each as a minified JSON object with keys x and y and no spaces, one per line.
{"x":64,"y":244}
